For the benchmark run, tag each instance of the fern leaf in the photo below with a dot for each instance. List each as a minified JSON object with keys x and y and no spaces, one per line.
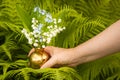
{"x":7,"y":52}
{"x":26,"y":19}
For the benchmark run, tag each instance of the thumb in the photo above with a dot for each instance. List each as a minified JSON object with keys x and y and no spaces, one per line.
{"x":50,"y":63}
{"x":49,"y":49}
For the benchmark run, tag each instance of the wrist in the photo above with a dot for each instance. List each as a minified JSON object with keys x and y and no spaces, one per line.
{"x":81,"y":51}
{"x":80,"y":56}
{"x":84,"y":54}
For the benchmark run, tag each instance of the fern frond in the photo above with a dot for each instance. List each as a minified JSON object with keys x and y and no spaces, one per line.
{"x":11,"y":65}
{"x":64,"y":73}
{"x":9,"y":16}
{"x":99,"y":70}
{"x":6,"y":51}
{"x":26,"y":18}
{"x":77,"y":30}
{"x":8,"y":46}
{"x":5,"y":66}
{"x":115,"y":75}
{"x":10,"y":74}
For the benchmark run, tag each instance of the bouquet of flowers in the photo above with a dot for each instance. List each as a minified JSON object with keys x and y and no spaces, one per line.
{"x":44,"y":28}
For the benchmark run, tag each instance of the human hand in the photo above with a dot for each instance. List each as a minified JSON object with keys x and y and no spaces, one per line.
{"x":60,"y":57}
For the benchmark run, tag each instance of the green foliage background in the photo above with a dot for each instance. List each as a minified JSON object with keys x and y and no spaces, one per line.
{"x":83,"y":20}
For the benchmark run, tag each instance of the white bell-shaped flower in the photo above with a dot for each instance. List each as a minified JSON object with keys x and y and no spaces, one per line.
{"x":35,"y":44}
{"x":43,"y":46}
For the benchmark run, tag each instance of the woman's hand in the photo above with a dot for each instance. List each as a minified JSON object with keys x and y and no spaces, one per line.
{"x":60,"y":57}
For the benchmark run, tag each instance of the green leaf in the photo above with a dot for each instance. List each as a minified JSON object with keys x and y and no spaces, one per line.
{"x":25,"y":17}
{"x":7,"y":52}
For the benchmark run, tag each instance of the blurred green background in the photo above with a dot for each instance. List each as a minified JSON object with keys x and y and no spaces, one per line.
{"x":83,"y":19}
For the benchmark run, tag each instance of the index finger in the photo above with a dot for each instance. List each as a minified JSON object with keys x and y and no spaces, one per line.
{"x":31,"y":51}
